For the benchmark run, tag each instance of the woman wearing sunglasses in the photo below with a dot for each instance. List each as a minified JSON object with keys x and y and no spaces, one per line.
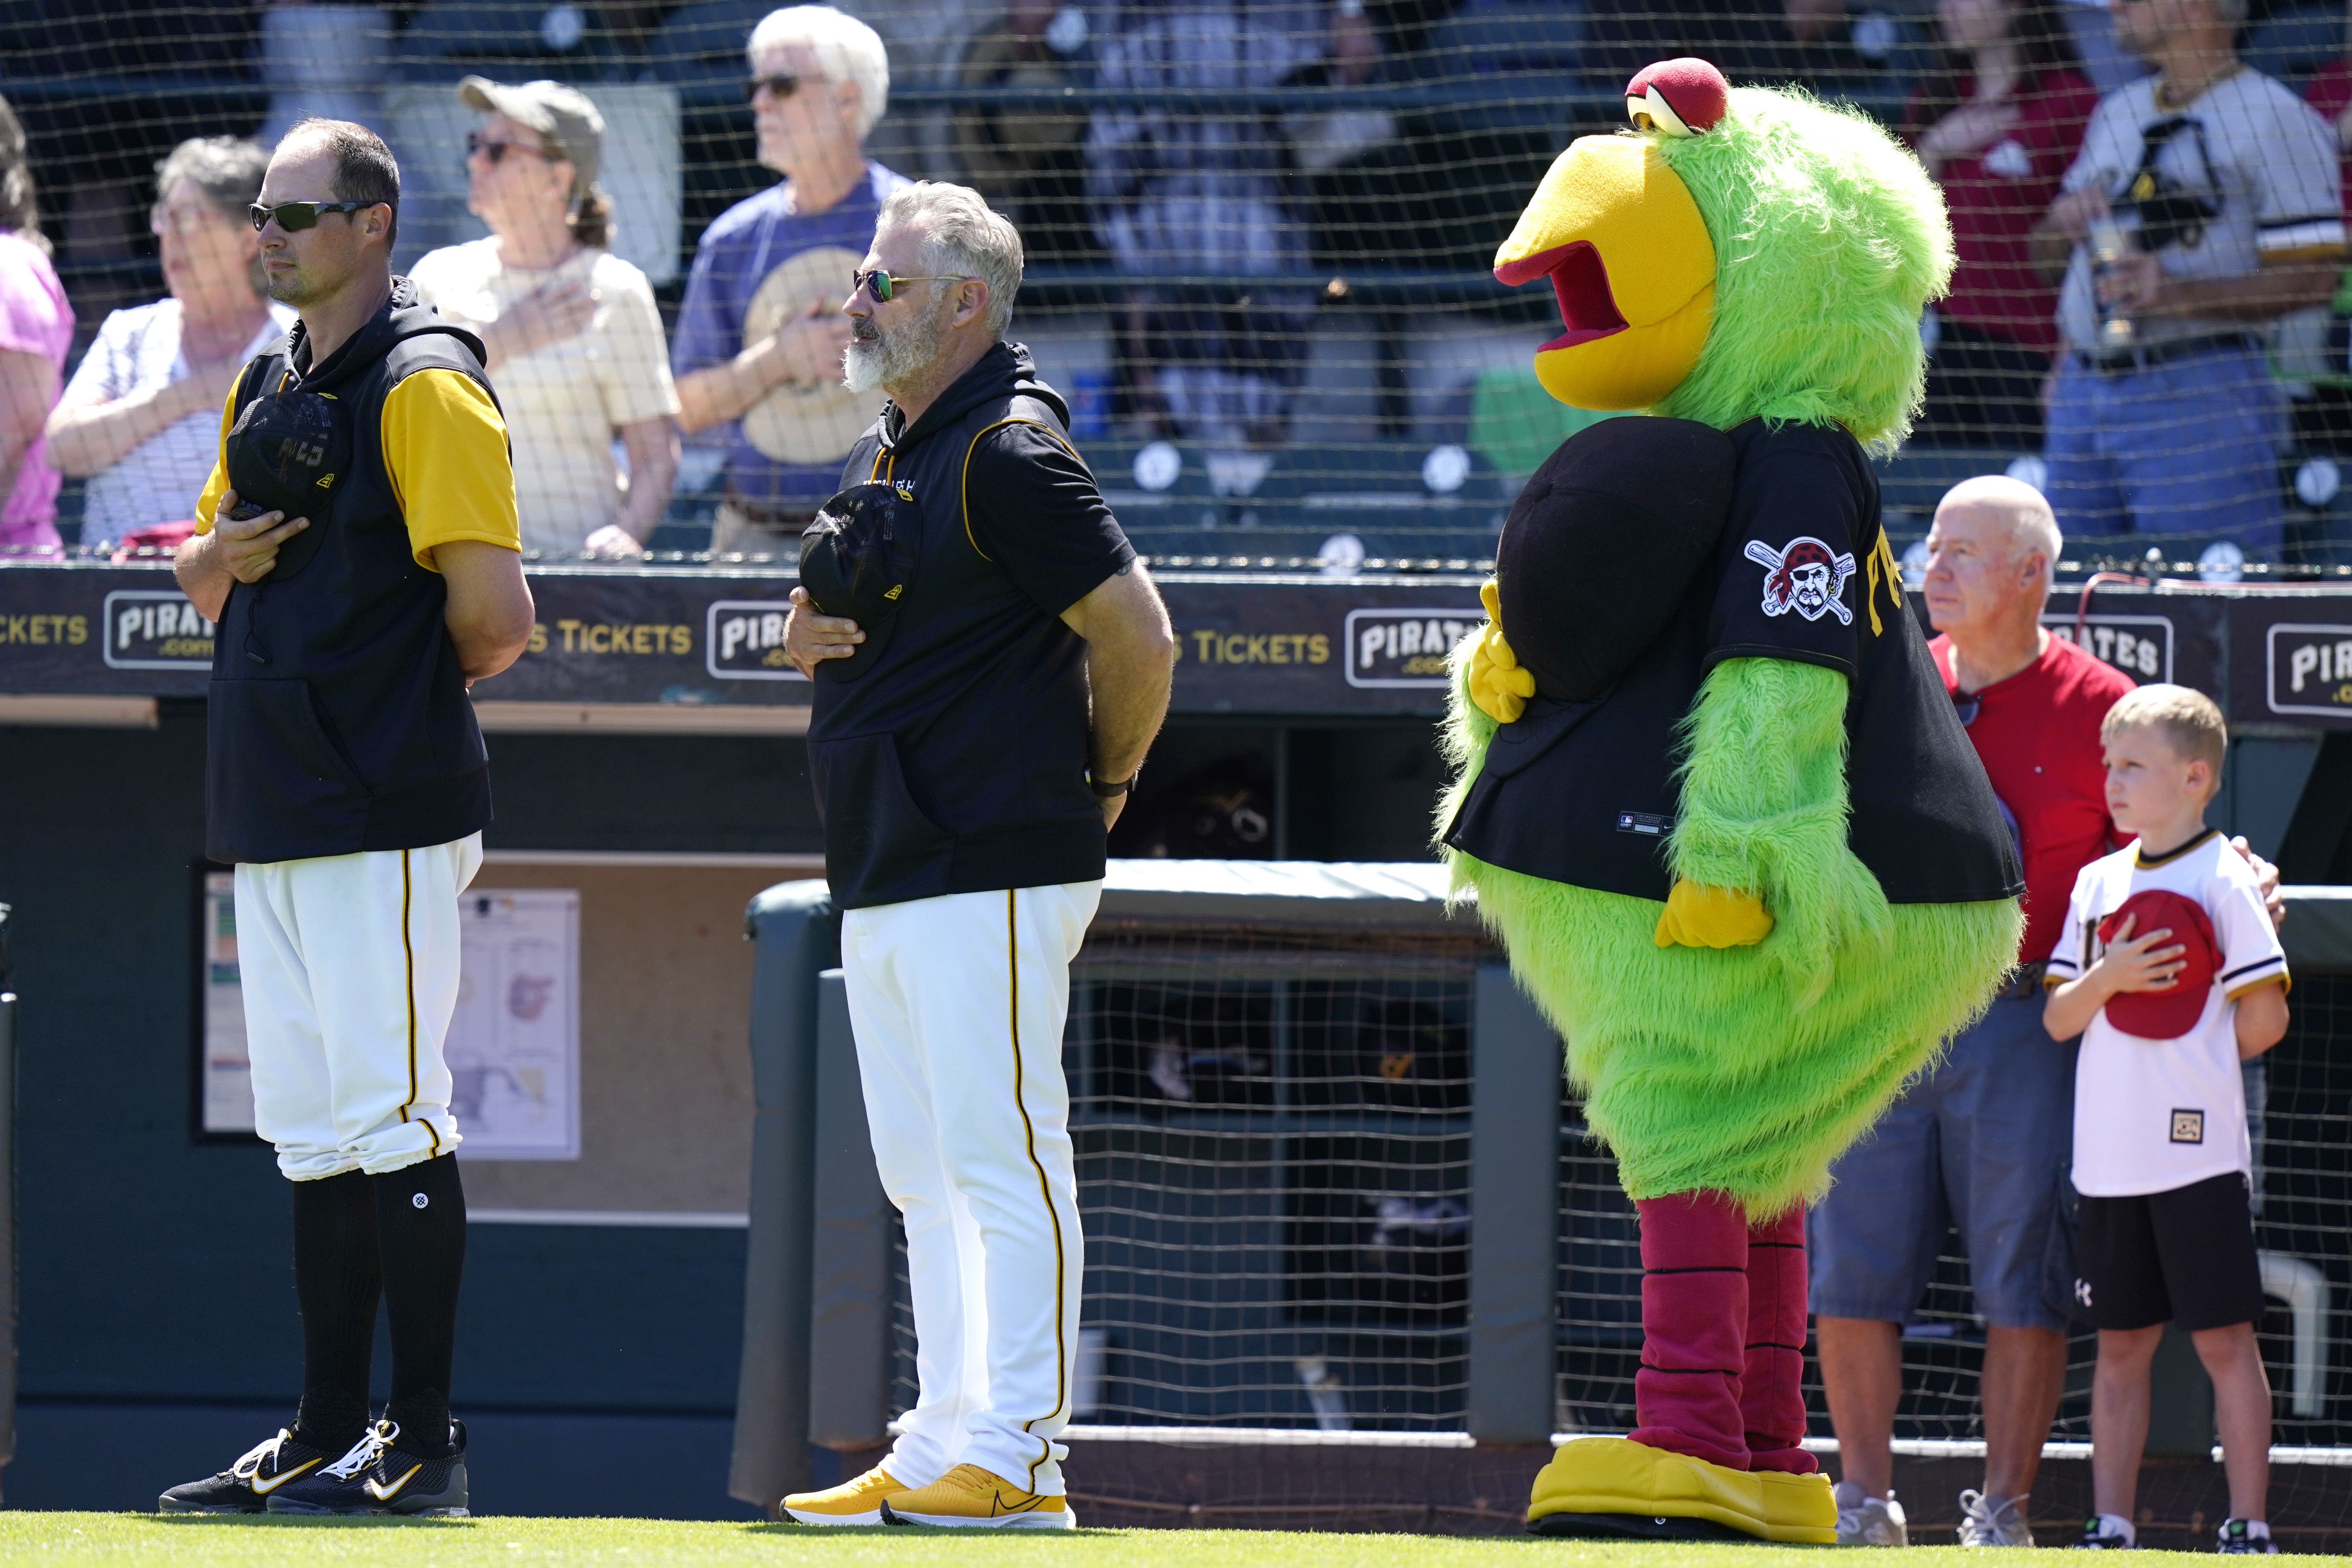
{"x":140,"y":419}
{"x":572,"y":335}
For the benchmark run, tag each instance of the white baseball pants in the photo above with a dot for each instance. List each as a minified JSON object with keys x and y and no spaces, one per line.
{"x":958,"y":1004}
{"x":349,"y":965}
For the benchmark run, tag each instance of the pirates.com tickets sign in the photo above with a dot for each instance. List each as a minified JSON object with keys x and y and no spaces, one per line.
{"x":2310,"y":668}
{"x":1266,"y":645}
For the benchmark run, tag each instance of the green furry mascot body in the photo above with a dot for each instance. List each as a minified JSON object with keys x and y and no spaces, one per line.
{"x":1717,"y":805}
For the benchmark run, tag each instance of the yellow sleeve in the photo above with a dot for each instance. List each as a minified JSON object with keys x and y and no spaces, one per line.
{"x":444,"y":447}
{"x":216,"y":483}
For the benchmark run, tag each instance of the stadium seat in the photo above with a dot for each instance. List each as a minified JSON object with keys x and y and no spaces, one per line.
{"x":2293,"y":44}
{"x":450,"y":37}
{"x":701,"y":44}
{"x":1914,"y":481}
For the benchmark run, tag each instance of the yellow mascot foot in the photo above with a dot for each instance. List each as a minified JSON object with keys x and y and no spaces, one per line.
{"x":1616,"y":1486}
{"x":968,"y":1495}
{"x":1799,"y":1510}
{"x":851,"y":1502}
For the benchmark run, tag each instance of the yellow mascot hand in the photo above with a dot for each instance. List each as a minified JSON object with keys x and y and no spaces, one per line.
{"x":1498,"y":685}
{"x":1700,"y":916}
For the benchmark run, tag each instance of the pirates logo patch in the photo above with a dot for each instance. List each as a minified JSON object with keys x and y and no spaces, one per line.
{"x":1805,"y":575}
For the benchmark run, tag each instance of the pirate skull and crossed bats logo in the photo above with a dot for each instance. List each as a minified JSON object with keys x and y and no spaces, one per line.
{"x":1805,"y":575}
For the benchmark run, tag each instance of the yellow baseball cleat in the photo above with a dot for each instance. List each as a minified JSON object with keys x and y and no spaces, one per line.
{"x":851,"y":1502}
{"x":968,"y":1495}
{"x":1801,"y":1510}
{"x":1616,"y":1486}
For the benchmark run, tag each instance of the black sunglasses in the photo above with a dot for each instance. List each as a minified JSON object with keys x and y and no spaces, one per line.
{"x":780,"y":87}
{"x":496,"y":151}
{"x":1967,"y":706}
{"x":884,"y":285}
{"x":296,"y":217}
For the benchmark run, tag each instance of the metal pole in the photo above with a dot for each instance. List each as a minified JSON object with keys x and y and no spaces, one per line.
{"x":799,"y":934}
{"x":7,"y":1201}
{"x":1514,"y":1215}
{"x":850,"y":1255}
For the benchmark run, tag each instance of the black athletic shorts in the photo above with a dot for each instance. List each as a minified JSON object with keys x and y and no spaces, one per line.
{"x":2184,"y":1257}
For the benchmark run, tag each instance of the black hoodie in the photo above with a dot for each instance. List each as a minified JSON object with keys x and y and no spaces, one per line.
{"x":338,"y":717}
{"x":954,"y":762}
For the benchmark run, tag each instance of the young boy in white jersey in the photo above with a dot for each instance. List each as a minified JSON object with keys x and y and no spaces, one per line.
{"x":2170,"y":971}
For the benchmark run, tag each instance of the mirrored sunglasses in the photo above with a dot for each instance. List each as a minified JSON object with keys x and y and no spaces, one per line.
{"x":884,"y":285}
{"x":296,"y":217}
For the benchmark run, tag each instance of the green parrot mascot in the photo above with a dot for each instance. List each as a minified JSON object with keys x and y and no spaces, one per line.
{"x":1710,"y":791}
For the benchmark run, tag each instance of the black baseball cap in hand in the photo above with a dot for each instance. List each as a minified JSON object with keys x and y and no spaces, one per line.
{"x":288,"y":452}
{"x":857,"y":560}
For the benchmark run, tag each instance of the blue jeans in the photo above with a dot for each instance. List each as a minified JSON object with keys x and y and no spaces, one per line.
{"x":1982,"y":1144}
{"x":2188,"y":447}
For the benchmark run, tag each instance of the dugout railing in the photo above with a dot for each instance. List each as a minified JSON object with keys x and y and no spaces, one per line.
{"x":1333,"y":1195}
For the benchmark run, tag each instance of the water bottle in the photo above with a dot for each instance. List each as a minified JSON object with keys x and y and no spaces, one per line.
{"x":2109,"y":246}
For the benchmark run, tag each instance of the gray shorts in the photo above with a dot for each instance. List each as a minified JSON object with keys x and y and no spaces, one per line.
{"x":1983,"y":1144}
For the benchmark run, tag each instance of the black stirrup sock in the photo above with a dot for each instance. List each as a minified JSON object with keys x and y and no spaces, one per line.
{"x":337,"y":1280}
{"x":420,"y":1214}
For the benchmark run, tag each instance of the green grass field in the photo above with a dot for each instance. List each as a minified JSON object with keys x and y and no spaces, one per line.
{"x":125,"y":1538}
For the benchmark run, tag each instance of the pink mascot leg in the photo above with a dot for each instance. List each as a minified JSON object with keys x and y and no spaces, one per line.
{"x":1694,"y":1327}
{"x":1771,"y":1385}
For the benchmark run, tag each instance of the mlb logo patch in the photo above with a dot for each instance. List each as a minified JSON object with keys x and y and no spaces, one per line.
{"x":2189,"y":1127}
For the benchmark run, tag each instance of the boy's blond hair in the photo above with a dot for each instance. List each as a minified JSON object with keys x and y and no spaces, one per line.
{"x":2190,"y":723}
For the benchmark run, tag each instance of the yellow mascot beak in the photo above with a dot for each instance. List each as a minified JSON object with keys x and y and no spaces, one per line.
{"x":1617,"y":234}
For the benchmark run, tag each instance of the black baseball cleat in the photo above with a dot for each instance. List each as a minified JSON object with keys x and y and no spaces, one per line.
{"x":246,"y":1486}
{"x":381,"y":1476}
{"x":340,"y":1487}
{"x":425,"y":1485}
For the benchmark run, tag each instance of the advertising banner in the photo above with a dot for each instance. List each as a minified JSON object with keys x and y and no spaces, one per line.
{"x":1272,"y":644}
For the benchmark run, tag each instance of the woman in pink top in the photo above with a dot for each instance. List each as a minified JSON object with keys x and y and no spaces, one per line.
{"x":1997,"y":128}
{"x":35,"y":328}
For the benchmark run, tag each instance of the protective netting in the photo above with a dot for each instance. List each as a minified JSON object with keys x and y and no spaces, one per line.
{"x":1274,"y":1137}
{"x":1259,"y":237}
{"x":1273,"y":1140}
{"x":2302,"y":1122}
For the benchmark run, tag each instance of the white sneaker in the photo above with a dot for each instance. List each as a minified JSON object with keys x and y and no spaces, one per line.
{"x":1993,"y":1521}
{"x":1868,"y":1521}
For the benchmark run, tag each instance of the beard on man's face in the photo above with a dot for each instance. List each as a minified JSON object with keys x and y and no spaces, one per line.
{"x":877,"y":357}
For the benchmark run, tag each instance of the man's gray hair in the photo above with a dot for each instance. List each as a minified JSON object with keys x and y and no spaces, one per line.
{"x":846,"y":49}
{"x":226,"y":169}
{"x":962,"y":235}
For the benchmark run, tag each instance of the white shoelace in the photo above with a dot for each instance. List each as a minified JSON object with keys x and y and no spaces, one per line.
{"x":1980,"y":1519}
{"x":364,"y":1452}
{"x":246,"y":1469}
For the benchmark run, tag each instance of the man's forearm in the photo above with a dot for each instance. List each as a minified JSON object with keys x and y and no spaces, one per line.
{"x":1131,"y":689}
{"x":2050,"y":248}
{"x":197,"y":568}
{"x":722,"y":392}
{"x":2258,"y":297}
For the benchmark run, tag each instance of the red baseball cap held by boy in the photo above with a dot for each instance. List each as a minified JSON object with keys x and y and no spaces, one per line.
{"x":2168,"y":1014}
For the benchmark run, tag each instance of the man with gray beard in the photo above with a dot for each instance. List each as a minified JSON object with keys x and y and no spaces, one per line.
{"x":991,"y":662}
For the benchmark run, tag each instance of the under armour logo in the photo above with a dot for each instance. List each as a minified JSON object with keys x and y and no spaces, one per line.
{"x":2082,"y":1292}
{"x":420,"y":1200}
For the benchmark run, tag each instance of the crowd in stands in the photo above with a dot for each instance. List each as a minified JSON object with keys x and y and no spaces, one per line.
{"x":2149,"y":229}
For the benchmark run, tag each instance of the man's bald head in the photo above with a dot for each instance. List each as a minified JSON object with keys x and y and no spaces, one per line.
{"x":1994,"y":501}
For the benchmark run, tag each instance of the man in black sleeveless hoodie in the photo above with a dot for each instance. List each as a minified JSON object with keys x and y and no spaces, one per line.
{"x":991,"y":662}
{"x":360,"y":552}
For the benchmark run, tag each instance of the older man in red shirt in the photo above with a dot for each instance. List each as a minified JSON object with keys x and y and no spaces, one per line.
{"x":1983,"y":1143}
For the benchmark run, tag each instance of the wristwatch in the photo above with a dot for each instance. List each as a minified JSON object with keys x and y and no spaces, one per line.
{"x":1108,"y":790}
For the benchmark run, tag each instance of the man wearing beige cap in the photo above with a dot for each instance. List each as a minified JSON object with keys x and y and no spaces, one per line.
{"x":571,"y":332}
